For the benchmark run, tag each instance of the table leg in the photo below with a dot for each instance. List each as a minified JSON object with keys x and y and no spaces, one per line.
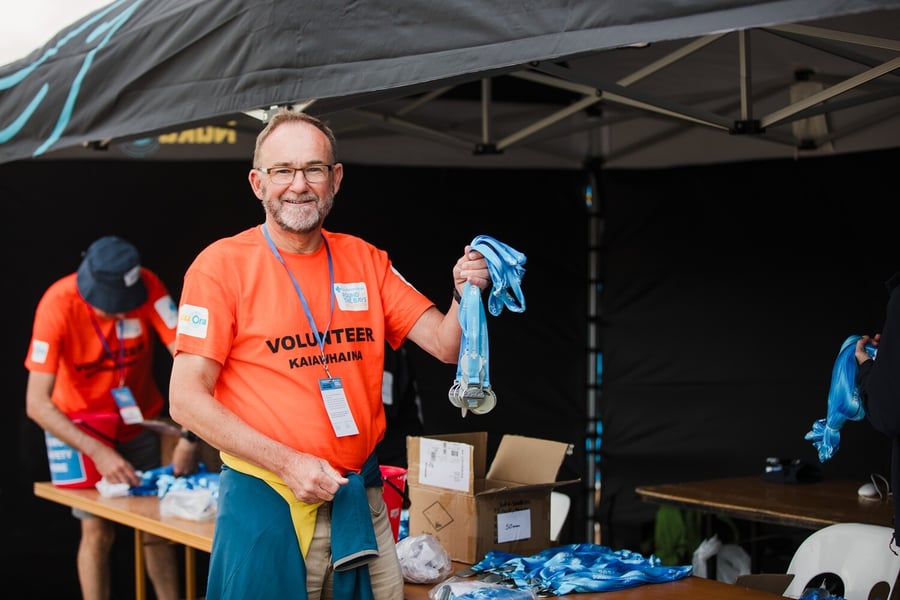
{"x":190,"y":574}
{"x":140,"y":589}
{"x":754,"y":547}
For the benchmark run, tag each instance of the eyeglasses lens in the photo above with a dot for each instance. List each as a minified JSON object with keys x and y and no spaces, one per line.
{"x":285,"y":175}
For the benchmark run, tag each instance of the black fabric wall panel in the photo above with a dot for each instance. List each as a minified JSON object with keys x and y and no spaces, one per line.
{"x":728,"y":292}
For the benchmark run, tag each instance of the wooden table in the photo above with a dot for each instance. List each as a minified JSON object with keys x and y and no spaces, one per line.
{"x":142,"y":514}
{"x":689,"y":588}
{"x":752,"y":498}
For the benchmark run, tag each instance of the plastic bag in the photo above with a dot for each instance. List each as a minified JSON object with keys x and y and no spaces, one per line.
{"x":194,"y":497}
{"x":731,"y":562}
{"x":423,"y":559}
{"x":198,"y":504}
{"x":459,"y":588}
{"x":706,"y":550}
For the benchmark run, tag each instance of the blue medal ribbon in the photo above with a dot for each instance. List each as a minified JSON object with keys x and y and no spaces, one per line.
{"x":471,"y":390}
{"x":844,"y":403}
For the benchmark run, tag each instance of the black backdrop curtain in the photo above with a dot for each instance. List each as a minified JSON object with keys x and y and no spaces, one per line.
{"x":727,"y":293}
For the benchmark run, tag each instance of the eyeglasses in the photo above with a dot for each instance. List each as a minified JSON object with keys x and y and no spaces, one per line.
{"x":283,"y":175}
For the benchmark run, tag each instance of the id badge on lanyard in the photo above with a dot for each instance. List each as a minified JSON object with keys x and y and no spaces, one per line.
{"x":128,"y":408}
{"x":337,"y":407}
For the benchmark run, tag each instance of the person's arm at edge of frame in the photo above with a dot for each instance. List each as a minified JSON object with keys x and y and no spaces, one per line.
{"x":878,"y":380}
{"x":438,"y":333}
{"x":186,"y":454}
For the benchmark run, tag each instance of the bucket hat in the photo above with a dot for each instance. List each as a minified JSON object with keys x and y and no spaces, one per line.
{"x":109,"y":276}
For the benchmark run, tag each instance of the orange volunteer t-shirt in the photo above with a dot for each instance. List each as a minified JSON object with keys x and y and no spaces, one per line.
{"x":240,"y":307}
{"x":64,"y":341}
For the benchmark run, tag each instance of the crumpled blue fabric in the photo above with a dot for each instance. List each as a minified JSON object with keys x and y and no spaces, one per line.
{"x":149,"y":480}
{"x":159,"y":481}
{"x":844,"y":403}
{"x":580,"y":568}
{"x":818,"y":594}
{"x":201,"y":480}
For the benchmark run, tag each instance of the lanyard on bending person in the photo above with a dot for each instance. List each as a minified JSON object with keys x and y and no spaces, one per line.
{"x":125,"y":400}
{"x":120,"y":329}
{"x":320,"y":340}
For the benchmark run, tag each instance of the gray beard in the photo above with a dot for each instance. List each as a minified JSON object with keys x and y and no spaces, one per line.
{"x":303,"y":218}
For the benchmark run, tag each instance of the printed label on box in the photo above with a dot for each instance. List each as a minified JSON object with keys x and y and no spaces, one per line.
{"x":444,"y":464}
{"x":514,"y":526}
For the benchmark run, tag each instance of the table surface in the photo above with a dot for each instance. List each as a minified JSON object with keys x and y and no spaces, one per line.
{"x":803,"y":505}
{"x":689,"y":588}
{"x":142,"y":513}
{"x":138,"y":512}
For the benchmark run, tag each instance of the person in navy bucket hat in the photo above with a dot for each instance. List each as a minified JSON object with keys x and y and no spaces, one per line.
{"x":109,"y":276}
{"x":90,"y":363}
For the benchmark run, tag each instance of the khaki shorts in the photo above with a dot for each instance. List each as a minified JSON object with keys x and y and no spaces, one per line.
{"x":384,"y":571}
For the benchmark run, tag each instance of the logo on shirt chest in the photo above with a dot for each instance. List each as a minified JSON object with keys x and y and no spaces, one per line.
{"x":352,"y":296}
{"x":131,"y":328}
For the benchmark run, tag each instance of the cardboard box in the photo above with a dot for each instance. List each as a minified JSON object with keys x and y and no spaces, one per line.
{"x":472,"y":511}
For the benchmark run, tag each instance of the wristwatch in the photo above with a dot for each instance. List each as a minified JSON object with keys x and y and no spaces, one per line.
{"x":189,"y":436}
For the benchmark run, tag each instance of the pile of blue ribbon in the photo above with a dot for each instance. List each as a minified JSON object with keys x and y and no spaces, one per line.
{"x":579,"y":568}
{"x":160,"y":481}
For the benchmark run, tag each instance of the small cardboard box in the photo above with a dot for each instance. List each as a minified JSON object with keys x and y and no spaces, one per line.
{"x":472,"y":511}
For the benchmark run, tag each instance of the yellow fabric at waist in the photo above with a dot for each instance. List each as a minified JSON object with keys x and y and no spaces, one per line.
{"x":303,"y":515}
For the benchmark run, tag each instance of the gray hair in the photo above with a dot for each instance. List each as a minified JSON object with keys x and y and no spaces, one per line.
{"x":286,"y":115}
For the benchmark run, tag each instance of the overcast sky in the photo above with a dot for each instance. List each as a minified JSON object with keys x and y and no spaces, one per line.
{"x":28,"y":24}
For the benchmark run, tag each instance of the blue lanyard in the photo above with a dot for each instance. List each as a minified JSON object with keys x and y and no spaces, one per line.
{"x":120,"y":329}
{"x":472,"y":388}
{"x":312,"y":323}
{"x":579,"y":568}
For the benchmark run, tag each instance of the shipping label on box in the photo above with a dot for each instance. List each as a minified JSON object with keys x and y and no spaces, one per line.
{"x":445,"y":464}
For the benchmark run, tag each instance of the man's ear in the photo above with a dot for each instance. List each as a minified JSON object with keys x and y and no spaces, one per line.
{"x":255,"y":183}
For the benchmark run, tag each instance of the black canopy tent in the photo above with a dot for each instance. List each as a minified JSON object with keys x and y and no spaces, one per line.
{"x":446,"y":78}
{"x":135,"y":68}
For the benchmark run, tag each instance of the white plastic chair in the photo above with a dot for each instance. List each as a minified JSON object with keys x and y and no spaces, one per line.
{"x":559,"y":509}
{"x":854,"y":556}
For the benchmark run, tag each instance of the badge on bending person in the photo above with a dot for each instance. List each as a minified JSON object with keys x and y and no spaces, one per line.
{"x":128,"y":408}
{"x":337,"y":407}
